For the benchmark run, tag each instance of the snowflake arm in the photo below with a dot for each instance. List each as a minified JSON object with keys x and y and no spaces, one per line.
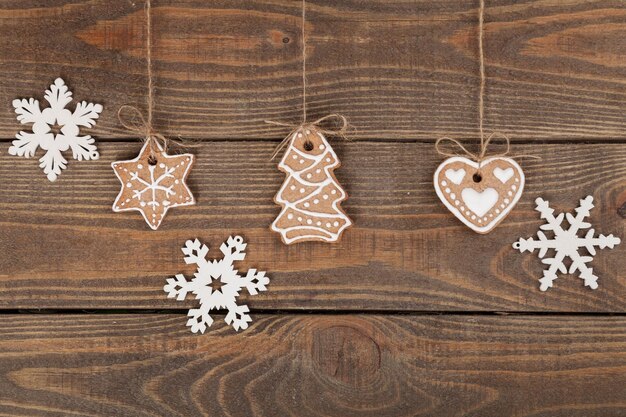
{"x":582,"y":212}
{"x":609,"y":241}
{"x":238,"y":316}
{"x":25,"y":145}
{"x":588,"y":277}
{"x":135,"y":177}
{"x":233,"y":249}
{"x":549,"y":275}
{"x":52,"y":163}
{"x":255,"y":282}
{"x":589,"y":242}
{"x":530,"y":244}
{"x":83,"y":148}
{"x":178,"y":287}
{"x":200,"y":319}
{"x":195,"y":253}
{"x":547,"y":213}
{"x":58,"y":96}
{"x":28,"y":111}
{"x":86,"y":114}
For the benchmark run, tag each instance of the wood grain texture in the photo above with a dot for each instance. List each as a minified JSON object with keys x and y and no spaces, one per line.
{"x":42,"y":41}
{"x":400,"y":70}
{"x":397,"y":69}
{"x":344,"y":366}
{"x":63,"y":247}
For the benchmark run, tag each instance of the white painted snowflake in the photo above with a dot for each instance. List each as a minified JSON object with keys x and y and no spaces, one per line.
{"x":55,"y":117}
{"x":567,"y":243}
{"x":216,"y":284}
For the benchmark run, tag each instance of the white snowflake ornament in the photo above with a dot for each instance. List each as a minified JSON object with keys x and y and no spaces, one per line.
{"x":216,"y":284}
{"x":55,"y":117}
{"x":566,"y":243}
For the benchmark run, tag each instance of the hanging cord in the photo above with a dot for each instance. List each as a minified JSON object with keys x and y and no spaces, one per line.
{"x":136,"y":122}
{"x":484,"y":143}
{"x":342,"y":123}
{"x":304,"y":80}
{"x":481,"y":61}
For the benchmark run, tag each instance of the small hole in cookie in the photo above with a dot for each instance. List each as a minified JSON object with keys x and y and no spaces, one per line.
{"x":477,"y":177}
{"x":152,"y":160}
{"x":308,"y":146}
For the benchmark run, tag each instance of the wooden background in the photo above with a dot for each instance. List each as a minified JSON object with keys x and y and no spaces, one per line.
{"x":411,"y":314}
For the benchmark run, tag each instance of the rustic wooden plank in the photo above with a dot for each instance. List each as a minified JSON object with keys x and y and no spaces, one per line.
{"x":409,"y":69}
{"x":151,"y":365}
{"x":398,"y":69}
{"x":63,"y":247}
{"x":42,"y":41}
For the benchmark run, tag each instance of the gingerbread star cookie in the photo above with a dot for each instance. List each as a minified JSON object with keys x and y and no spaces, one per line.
{"x":153,"y":182}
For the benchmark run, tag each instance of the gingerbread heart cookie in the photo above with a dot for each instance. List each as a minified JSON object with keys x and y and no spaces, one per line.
{"x":480,"y":198}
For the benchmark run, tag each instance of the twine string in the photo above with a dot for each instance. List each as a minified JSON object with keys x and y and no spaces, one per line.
{"x":342,"y":123}
{"x":481,"y":65}
{"x":304,"y":80}
{"x":137,"y":122}
{"x":484,"y":143}
{"x":150,"y":106}
{"x":482,"y":155}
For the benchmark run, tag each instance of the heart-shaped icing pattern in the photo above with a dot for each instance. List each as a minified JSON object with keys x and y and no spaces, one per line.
{"x":503,"y":175}
{"x":484,"y":200}
{"x":455,"y":176}
{"x":479,"y":203}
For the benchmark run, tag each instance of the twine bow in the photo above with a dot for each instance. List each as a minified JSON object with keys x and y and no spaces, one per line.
{"x":484,"y":145}
{"x":339,"y":131}
{"x":138,"y":124}
{"x":478,"y":157}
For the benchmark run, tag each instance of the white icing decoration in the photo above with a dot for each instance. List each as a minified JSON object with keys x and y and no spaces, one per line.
{"x":479,"y":203}
{"x":503,"y":174}
{"x":455,"y":176}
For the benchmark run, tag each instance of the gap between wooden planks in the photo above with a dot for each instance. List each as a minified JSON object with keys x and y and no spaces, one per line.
{"x":63,"y":247}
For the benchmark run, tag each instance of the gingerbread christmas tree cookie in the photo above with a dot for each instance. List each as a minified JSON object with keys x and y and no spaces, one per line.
{"x":311,"y":195}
